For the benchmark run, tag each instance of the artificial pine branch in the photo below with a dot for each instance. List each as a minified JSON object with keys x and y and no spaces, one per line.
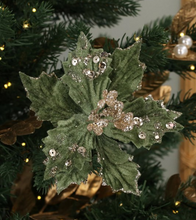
{"x":188,"y":108}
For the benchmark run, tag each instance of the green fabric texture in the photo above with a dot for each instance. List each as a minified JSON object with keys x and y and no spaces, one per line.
{"x":71,"y":104}
{"x":49,"y":97}
{"x":127,"y":71}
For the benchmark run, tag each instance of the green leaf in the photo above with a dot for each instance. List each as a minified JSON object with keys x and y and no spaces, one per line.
{"x":127,"y":71}
{"x":49,"y":97}
{"x":71,"y":144}
{"x":83,"y":89}
{"x":155,"y":120}
{"x":118,"y":170}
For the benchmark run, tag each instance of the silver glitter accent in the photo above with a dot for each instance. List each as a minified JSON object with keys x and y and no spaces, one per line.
{"x":156,"y":135}
{"x":82,"y":151}
{"x":137,"y":192}
{"x":46,"y":161}
{"x":53,"y":170}
{"x":139,"y":86}
{"x":52,"y":152}
{"x":105,"y":54}
{"x":96,"y":59}
{"x":75,"y":77}
{"x":102,"y":66}
{"x":74,"y":61}
{"x":149,"y":97}
{"x":130,"y":158}
{"x":73,"y":148}
{"x":137,"y":121}
{"x":170,"y":125}
{"x":98,"y":158}
{"x":104,"y":183}
{"x":157,"y":125}
{"x":142,"y":135}
{"x":89,"y":73}
{"x":86,"y":60}
{"x":68,"y":163}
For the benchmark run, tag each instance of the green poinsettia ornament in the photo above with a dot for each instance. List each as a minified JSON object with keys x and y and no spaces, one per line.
{"x":91,"y":111}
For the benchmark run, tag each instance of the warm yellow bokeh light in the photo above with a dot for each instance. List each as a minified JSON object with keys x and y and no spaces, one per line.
{"x":23,"y":144}
{"x":39,"y":197}
{"x":27,"y":160}
{"x":9,"y":84}
{"x":34,"y":10}
{"x":2,"y":47}
{"x":175,"y":211}
{"x":5,"y":86}
{"x":192,"y":67}
{"x":181,"y":34}
{"x":177,"y":203}
{"x":26,"y":25}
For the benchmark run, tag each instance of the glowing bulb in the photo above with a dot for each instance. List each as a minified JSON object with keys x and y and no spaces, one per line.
{"x":39,"y":197}
{"x":175,"y":211}
{"x":192,"y":67}
{"x":18,"y":97}
{"x":40,"y":146}
{"x":0,"y":58}
{"x":181,"y":34}
{"x":2,"y":47}
{"x":121,"y":204}
{"x":5,"y":86}
{"x":137,"y":38}
{"x":177,"y":203}
{"x":23,"y":144}
{"x":27,"y":160}
{"x":9,"y":84}
{"x":34,"y":10}
{"x":25,"y":25}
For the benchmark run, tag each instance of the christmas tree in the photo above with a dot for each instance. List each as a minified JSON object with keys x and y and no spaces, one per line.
{"x":82,"y":138}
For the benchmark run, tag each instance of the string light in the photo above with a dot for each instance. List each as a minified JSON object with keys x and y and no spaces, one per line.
{"x":34,"y":10}
{"x":121,"y":204}
{"x":39,"y":197}
{"x":136,"y":38}
{"x":192,"y":67}
{"x":175,"y":211}
{"x":9,"y":84}
{"x":26,"y":160}
{"x":40,"y":146}
{"x":18,"y":97}
{"x":181,"y":34}
{"x":177,"y":203}
{"x":26,"y":24}
{"x":23,"y":144}
{"x":2,"y":47}
{"x":0,"y":58}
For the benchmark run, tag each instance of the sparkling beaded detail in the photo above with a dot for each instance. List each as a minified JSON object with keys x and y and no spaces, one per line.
{"x":142,"y":135}
{"x":111,"y":110}
{"x":170,"y":125}
{"x":68,"y":163}
{"x":99,"y":62}
{"x":52,"y":152}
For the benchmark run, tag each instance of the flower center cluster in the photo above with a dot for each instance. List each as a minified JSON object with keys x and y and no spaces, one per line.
{"x":109,"y":109}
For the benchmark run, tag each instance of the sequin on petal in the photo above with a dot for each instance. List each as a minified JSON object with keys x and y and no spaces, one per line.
{"x":52,"y":152}
{"x":68,"y":163}
{"x":142,"y":135}
{"x":96,"y":59}
{"x":74,"y":61}
{"x":82,"y":151}
{"x":170,"y":125}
